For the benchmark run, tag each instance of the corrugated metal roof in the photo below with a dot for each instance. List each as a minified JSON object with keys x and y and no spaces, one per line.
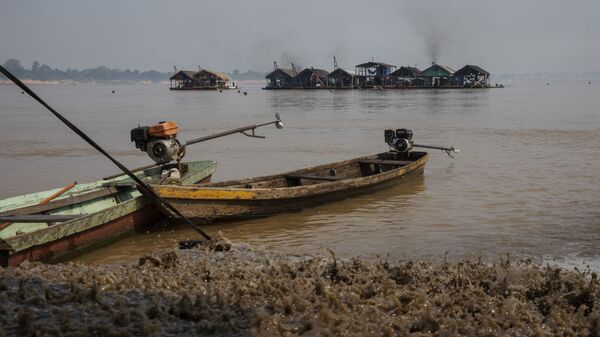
{"x":310,"y":71}
{"x":287,"y":72}
{"x":340,"y":71}
{"x":374,"y":64}
{"x":471,"y":69}
{"x":406,"y":72}
{"x":437,"y":70}
{"x":183,"y":75}
{"x":217,"y":74}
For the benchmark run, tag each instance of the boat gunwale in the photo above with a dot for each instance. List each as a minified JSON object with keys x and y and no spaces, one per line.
{"x":85,"y":222}
{"x":199,"y":192}
{"x":14,"y":203}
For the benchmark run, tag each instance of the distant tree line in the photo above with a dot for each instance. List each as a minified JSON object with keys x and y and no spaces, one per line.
{"x":248,"y":75}
{"x":43,"y":72}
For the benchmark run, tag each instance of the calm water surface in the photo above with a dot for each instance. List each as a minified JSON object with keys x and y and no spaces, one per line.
{"x":527,"y":181}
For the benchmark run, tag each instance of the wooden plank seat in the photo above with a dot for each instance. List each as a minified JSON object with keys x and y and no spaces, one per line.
{"x":313,"y":177}
{"x":38,"y":218}
{"x":386,"y":162}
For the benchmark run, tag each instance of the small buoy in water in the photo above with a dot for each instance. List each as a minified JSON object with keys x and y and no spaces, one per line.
{"x":589,"y":82}
{"x":245,"y":93}
{"x":113,"y":91}
{"x":22,"y":92}
{"x":239,"y":91}
{"x":547,"y":83}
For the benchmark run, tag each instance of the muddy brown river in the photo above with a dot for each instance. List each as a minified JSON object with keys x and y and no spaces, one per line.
{"x":527,"y":180}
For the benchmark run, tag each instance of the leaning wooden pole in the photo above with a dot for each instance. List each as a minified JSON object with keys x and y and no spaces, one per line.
{"x":144,"y":188}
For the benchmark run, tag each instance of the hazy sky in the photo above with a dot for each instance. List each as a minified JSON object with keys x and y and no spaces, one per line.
{"x":507,"y":36}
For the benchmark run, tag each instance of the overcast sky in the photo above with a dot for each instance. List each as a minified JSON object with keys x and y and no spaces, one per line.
{"x":507,"y":36}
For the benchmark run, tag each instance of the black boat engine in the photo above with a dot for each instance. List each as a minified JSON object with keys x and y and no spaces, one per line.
{"x":158,"y":141}
{"x":399,"y":140}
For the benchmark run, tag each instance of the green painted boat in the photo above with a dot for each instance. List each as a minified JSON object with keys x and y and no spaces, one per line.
{"x":51,"y":224}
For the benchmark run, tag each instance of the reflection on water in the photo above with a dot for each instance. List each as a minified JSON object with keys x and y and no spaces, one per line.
{"x":526,"y":181}
{"x":294,"y":232}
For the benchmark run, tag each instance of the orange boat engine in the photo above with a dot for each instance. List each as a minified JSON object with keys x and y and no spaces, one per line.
{"x":159,"y":141}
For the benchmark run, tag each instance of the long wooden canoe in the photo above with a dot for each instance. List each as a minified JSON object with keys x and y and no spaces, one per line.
{"x":47,"y":225}
{"x":294,"y":190}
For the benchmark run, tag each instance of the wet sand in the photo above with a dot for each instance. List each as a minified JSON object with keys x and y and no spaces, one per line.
{"x":243,"y":291}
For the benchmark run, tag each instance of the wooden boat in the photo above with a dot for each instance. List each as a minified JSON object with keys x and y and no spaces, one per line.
{"x":47,"y":225}
{"x":294,"y":190}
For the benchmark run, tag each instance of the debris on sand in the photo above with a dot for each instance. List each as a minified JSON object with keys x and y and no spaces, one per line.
{"x":243,"y":291}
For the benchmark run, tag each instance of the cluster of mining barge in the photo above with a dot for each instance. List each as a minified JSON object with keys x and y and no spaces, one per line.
{"x":201,"y":80}
{"x":378,"y":75}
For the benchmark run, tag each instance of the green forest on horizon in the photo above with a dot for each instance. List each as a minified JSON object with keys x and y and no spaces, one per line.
{"x":43,"y":72}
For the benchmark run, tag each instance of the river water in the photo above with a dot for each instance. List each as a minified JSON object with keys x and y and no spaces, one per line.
{"x":526,"y":182}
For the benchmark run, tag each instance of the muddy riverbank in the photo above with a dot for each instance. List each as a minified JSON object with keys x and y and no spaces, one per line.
{"x":246,"y":291}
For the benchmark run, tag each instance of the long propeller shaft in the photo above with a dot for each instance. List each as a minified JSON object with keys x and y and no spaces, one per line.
{"x":241,"y":130}
{"x":220,"y":134}
{"x":443,"y":148}
{"x":448,"y":150}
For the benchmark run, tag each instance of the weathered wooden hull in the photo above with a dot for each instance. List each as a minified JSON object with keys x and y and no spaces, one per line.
{"x":100,"y":227}
{"x":101,"y":231}
{"x":230,"y":200}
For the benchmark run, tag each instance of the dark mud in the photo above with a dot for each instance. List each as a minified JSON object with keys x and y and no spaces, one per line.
{"x":242,"y":291}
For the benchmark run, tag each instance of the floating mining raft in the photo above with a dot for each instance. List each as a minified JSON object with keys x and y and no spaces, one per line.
{"x":378,"y":75}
